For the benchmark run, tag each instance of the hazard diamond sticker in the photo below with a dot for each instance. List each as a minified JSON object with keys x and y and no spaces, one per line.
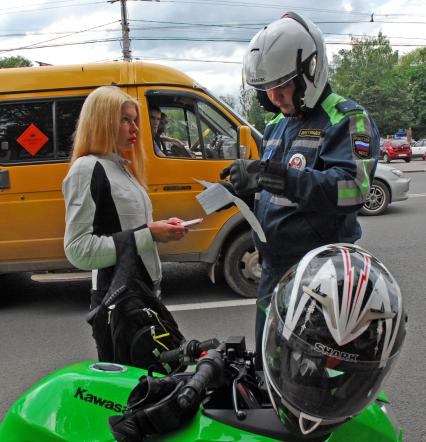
{"x":32,"y":139}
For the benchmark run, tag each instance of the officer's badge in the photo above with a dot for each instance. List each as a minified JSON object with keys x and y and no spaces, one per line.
{"x":361,"y":146}
{"x":297,"y":161}
{"x":313,"y":133}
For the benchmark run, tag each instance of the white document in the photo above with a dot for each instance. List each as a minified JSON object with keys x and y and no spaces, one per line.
{"x":217,"y":196}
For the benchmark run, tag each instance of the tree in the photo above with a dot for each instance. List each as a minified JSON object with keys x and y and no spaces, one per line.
{"x":14,"y":62}
{"x":245,"y":100}
{"x":369,"y":73}
{"x":252,"y":110}
{"x":258,"y":116}
{"x":413,"y":67}
{"x":229,"y":100}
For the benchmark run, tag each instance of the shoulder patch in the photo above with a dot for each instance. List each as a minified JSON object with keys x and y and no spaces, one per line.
{"x":348,"y":106}
{"x":313,"y":133}
{"x":361,"y":145}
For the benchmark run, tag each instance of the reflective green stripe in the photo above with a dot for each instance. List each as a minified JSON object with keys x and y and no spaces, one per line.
{"x":360,"y":123}
{"x":329,"y":106}
{"x":365,"y":185}
{"x":346,"y":194}
{"x":276,"y":119}
{"x":355,"y":191}
{"x":354,"y":195}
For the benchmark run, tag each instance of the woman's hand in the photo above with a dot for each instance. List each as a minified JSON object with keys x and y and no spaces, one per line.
{"x":167,"y":230}
{"x":174,"y":221}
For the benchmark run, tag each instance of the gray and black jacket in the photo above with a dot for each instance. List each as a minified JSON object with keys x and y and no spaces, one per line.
{"x":102,"y":198}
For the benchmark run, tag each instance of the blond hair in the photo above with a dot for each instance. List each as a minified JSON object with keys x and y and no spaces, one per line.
{"x":98,"y":124}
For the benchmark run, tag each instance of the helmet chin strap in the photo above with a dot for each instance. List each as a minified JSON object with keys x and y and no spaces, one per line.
{"x":299,"y":82}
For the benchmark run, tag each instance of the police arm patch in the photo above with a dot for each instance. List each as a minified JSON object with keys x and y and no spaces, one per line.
{"x":361,"y":145}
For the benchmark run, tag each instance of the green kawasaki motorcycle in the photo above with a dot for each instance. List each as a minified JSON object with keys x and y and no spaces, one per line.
{"x":334,"y":329}
{"x":75,"y":404}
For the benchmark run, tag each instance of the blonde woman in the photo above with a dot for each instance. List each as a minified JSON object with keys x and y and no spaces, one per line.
{"x":104,"y":191}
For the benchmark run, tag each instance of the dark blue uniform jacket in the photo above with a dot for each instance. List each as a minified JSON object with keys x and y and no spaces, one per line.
{"x":331,"y":154}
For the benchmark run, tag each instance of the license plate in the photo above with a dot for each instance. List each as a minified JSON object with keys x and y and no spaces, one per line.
{"x":402,"y":154}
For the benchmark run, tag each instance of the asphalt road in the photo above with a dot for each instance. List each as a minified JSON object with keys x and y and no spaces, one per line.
{"x":42,"y":325}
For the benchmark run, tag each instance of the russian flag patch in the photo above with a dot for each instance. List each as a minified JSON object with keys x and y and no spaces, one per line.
{"x":361,"y":146}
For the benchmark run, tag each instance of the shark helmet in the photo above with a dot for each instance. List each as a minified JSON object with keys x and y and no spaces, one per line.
{"x":291,"y":48}
{"x":334,"y":329}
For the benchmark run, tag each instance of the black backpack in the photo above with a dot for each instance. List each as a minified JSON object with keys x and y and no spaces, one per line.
{"x":131,"y":325}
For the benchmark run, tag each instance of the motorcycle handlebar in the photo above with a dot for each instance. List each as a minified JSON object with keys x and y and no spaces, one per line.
{"x":190,"y":349}
{"x":209,"y":368}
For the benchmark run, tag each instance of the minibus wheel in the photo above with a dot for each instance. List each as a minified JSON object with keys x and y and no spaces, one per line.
{"x":241,"y":267}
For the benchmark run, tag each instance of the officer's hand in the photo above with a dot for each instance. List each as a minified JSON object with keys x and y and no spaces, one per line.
{"x":273,"y":177}
{"x":244,"y":176}
{"x":225,"y":172}
{"x":230,"y":188}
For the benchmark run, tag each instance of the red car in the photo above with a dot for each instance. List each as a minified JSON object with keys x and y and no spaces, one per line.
{"x":394,"y":149}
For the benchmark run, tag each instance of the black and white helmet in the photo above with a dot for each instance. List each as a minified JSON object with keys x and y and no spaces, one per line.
{"x":289,"y":48}
{"x":334,"y":329}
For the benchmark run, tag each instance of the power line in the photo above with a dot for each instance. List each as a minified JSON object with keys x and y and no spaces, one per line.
{"x":73,"y":33}
{"x":41,"y":7}
{"x":29,"y":34}
{"x":187,"y":59}
{"x":105,"y":40}
{"x":30,"y":5}
{"x":49,"y":7}
{"x":207,"y":40}
{"x":95,"y":29}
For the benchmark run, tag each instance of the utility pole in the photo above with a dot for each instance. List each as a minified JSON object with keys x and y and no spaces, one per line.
{"x":127,"y":53}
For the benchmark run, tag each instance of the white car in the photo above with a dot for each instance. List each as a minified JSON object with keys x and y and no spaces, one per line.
{"x":419,"y":149}
{"x":389,"y":185}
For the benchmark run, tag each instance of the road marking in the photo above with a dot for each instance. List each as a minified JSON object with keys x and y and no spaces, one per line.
{"x":214,"y":304}
{"x":416,"y":195}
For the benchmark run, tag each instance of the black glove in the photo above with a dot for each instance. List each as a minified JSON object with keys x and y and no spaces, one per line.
{"x":244,"y":176}
{"x":273,"y":177}
{"x":230,"y":188}
{"x":152,"y":409}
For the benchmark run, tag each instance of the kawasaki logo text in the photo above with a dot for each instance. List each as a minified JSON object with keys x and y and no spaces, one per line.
{"x":84,"y":395}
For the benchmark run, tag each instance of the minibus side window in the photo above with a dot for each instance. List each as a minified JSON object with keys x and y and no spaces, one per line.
{"x":192,"y":128}
{"x":67,"y":113}
{"x":38,"y":131}
{"x":26,"y":132}
{"x":219,"y":134}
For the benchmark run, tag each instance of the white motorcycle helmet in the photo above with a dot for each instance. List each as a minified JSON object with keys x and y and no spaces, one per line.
{"x":291,"y":48}
{"x":334,"y":330}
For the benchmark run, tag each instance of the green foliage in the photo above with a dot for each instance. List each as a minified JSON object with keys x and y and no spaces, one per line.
{"x":413,"y":66}
{"x":14,"y":62}
{"x":245,"y":100}
{"x":414,"y":58}
{"x":252,"y":111}
{"x":229,"y":100}
{"x":369,"y":73}
{"x":392,"y":88}
{"x":257,"y":115}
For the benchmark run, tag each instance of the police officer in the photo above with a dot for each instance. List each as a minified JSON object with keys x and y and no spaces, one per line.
{"x":318,"y":156}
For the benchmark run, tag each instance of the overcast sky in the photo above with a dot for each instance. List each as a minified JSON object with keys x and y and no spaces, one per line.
{"x":204,"y":38}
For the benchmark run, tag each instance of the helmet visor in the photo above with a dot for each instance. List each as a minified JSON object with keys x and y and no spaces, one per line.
{"x":316,"y":379}
{"x":282,"y":81}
